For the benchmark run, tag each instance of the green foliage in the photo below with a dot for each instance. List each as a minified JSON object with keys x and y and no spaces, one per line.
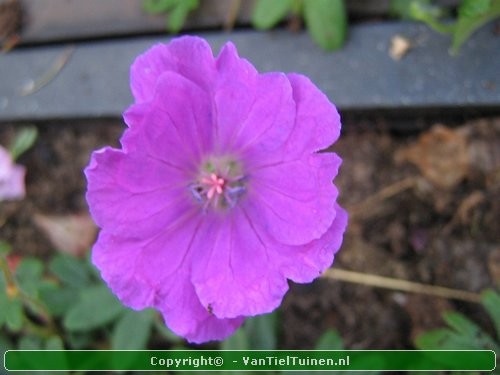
{"x":330,"y":340}
{"x":95,"y":307}
{"x":132,"y":330}
{"x":326,"y":20}
{"x":71,"y":271}
{"x":177,"y":11}
{"x":472,"y":14}
{"x":23,"y":141}
{"x":462,"y":333}
{"x":267,"y":13}
{"x":66,"y":305}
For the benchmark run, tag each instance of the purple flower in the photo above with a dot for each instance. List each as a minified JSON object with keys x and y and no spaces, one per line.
{"x":218,"y":195}
{"x":11,"y":177}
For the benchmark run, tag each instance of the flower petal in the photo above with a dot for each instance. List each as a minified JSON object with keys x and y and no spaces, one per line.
{"x":305,"y":263}
{"x":11,"y":177}
{"x":317,"y":125}
{"x":231,"y":270}
{"x":133,"y":195}
{"x":187,"y":317}
{"x":154,"y":272}
{"x":295,"y":201}
{"x":252,"y":110}
{"x":175,"y":126}
{"x":12,"y":186}
{"x":188,"y":56}
{"x":116,"y":259}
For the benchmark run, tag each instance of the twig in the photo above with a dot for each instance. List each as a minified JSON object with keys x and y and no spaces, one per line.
{"x":34,"y":86}
{"x":381,"y":195}
{"x":401,"y":285}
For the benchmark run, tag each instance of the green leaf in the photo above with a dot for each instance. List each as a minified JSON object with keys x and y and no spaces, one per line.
{"x":461,"y":324}
{"x":78,"y":340}
{"x":330,"y":340}
{"x":23,"y":141}
{"x":58,"y":300}
{"x":238,"y":341}
{"x":28,"y":274}
{"x":429,"y":14}
{"x":14,"y":314}
{"x":97,"y":307}
{"x":473,"y":8}
{"x":267,"y":13}
{"x":491,"y":302}
{"x":29,"y":269}
{"x":132,"y":330}
{"x":70,"y":270}
{"x":29,"y":343}
{"x":177,"y":16}
{"x":462,"y":338}
{"x":433,"y":340}
{"x":261,"y":331}
{"x":158,"y":6}
{"x":327,"y":22}
{"x":54,"y":343}
{"x":473,"y":14}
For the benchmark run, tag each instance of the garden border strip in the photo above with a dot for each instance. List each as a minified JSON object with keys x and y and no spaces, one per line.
{"x":93,"y":81}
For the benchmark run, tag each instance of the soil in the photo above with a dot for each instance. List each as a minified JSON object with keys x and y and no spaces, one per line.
{"x":406,"y":221}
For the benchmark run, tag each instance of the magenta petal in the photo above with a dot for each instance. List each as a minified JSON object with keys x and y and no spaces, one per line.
{"x":317,"y":122}
{"x":305,"y":263}
{"x":141,"y":277}
{"x":295,"y":201}
{"x":251,"y":109}
{"x":133,"y":195}
{"x":188,"y":56}
{"x":186,"y":316}
{"x":180,"y":113}
{"x":232,"y":272}
{"x":112,"y":255}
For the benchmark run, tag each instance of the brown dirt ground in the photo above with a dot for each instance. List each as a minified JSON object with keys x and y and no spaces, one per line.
{"x":409,"y":219}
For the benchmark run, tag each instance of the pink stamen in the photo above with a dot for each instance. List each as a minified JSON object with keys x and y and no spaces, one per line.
{"x":215,"y":184}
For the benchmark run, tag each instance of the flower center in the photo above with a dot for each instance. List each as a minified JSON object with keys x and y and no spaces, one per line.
{"x":214,"y":184}
{"x":219,"y":184}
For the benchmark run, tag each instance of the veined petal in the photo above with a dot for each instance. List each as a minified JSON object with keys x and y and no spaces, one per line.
{"x":188,"y":56}
{"x":112,"y":255}
{"x":232,"y":269}
{"x":186,"y":316}
{"x":252,"y":110}
{"x":157,"y":276}
{"x":176,"y":126}
{"x":133,"y":195}
{"x":305,"y":263}
{"x":317,"y":123}
{"x":295,"y":201}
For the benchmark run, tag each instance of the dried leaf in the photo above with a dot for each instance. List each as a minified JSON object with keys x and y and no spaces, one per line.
{"x":441,"y":154}
{"x":72,"y":234}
